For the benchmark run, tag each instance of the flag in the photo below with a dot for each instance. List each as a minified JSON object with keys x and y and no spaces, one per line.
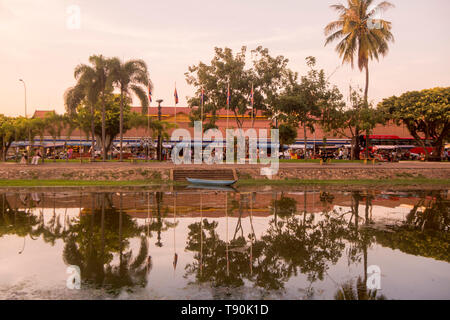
{"x":251,"y":96}
{"x":175,"y":94}
{"x":202,"y":96}
{"x":149,"y":92}
{"x":228,"y":95}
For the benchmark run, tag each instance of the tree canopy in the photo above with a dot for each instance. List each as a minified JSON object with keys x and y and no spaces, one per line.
{"x":425,"y":113}
{"x":267,"y":75}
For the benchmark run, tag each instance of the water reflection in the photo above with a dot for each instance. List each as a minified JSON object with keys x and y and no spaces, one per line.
{"x":301,"y":243}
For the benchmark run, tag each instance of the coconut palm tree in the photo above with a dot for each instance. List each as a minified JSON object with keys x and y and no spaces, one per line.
{"x":94,"y":84}
{"x":358,"y":35}
{"x":360,"y":38}
{"x":130,"y":77}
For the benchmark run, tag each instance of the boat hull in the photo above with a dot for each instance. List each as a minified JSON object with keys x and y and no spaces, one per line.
{"x":206,"y":182}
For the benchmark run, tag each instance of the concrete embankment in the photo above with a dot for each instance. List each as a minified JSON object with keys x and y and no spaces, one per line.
{"x":164,"y":171}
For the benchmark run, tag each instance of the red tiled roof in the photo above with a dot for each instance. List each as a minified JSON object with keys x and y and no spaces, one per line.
{"x":41,"y":113}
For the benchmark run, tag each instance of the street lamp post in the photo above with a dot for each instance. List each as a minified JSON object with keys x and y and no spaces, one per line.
{"x":26,"y":116}
{"x":25,"y":93}
{"x":159,"y":130}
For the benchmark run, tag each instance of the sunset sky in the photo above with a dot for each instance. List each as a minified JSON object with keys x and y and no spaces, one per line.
{"x":37,"y":46}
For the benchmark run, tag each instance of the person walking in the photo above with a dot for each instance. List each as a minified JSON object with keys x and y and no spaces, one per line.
{"x":36,"y":157}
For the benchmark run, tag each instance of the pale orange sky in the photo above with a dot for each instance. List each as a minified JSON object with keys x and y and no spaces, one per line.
{"x":170,"y":35}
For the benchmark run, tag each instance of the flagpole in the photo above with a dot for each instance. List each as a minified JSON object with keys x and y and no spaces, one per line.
{"x":253,"y":108}
{"x":174,"y":231}
{"x":201,"y":113}
{"x":148,"y":119}
{"x":201,"y":234}
{"x":253,"y":233}
{"x":226,"y":215}
{"x":228,"y":100}
{"x":148,"y":132}
{"x":201,"y":119}
{"x":176,"y":104}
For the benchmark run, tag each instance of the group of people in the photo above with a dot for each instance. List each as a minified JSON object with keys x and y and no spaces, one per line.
{"x":36,"y":156}
{"x":339,"y":154}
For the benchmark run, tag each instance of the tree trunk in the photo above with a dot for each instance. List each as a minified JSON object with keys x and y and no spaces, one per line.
{"x":31,"y":143}
{"x":93,"y":134}
{"x":42,"y":148}
{"x":120,"y":230}
{"x":366,"y":101}
{"x":352,"y":148}
{"x":103,"y":131}
{"x":3,"y":151}
{"x":54,"y":149}
{"x":366,"y":90}
{"x":356,"y":148}
{"x":16,"y":151}
{"x":121,"y":125}
{"x":305,"y":139}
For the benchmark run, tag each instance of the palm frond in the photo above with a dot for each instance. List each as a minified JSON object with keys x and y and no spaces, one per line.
{"x":142,"y":96}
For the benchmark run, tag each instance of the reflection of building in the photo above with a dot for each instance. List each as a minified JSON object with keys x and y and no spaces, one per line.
{"x":213,"y":204}
{"x":260,"y":122}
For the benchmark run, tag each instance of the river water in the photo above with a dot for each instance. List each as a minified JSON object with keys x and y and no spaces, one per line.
{"x":283,"y":243}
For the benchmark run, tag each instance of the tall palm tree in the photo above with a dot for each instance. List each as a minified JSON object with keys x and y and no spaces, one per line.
{"x":359,"y":37}
{"x":357,"y":34}
{"x":95,"y":84}
{"x":129,"y":77}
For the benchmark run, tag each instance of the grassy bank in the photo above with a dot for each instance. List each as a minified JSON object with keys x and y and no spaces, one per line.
{"x":244,"y":182}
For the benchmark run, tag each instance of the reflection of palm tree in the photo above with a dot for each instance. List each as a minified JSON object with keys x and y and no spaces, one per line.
{"x":130,"y":272}
{"x":359,"y":292}
{"x":359,"y":239}
{"x":93,"y":239}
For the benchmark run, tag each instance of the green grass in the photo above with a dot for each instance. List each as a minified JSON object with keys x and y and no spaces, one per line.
{"x":76,"y":183}
{"x":370,"y":182}
{"x":318,"y":161}
{"x":85,"y":160}
{"x":244,"y":182}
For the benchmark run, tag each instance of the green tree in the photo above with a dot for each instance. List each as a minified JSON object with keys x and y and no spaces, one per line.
{"x":107,"y":124}
{"x":349,"y":121}
{"x":267,"y":76}
{"x":73,"y":97}
{"x":54,"y":124}
{"x":6,"y":134}
{"x":304,"y":102}
{"x":129,"y":77}
{"x":287,"y":133}
{"x":20,"y":128}
{"x":40,"y":127}
{"x":425,"y":113}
